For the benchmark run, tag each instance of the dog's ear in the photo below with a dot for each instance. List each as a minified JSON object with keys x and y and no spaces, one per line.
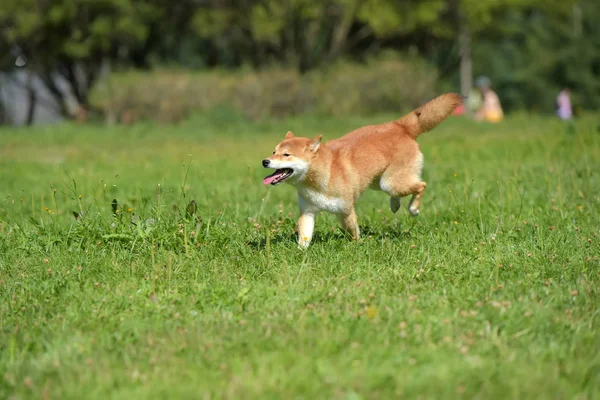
{"x":289,"y":135}
{"x":315,"y":144}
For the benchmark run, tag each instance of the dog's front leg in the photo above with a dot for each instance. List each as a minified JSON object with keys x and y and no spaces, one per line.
{"x":306,"y":225}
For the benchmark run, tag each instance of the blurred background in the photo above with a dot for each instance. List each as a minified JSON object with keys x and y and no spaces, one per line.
{"x":121,"y":61}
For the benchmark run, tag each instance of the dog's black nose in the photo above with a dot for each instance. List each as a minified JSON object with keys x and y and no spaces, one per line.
{"x":266,"y":163}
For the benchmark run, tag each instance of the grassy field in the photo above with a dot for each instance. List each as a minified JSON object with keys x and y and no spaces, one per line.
{"x":492,"y":292}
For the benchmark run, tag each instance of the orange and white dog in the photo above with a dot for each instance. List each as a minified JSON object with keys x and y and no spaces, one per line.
{"x":331,"y":176}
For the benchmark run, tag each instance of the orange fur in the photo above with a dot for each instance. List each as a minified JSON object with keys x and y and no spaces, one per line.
{"x":331,"y":176}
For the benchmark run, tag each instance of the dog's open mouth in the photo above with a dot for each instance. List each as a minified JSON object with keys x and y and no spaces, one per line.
{"x":278,"y":176}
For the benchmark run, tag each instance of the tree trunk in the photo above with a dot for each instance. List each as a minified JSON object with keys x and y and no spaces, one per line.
{"x":32,"y":100}
{"x":57,"y":94}
{"x":466,"y":69}
{"x":577,"y":20}
{"x":3,"y":112}
{"x":342,"y":29}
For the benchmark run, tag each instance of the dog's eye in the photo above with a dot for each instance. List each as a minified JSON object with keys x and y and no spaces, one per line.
{"x":273,"y":152}
{"x":286,"y":155}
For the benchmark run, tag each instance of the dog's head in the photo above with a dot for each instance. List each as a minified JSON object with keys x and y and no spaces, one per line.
{"x":291,"y":159}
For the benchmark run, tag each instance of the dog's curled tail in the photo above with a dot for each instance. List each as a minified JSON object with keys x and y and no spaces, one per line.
{"x":430,"y":114}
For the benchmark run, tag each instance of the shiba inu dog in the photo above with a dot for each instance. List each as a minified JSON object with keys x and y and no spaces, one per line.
{"x":331,"y":176}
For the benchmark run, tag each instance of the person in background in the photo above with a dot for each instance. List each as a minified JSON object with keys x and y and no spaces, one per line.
{"x":563,"y":103}
{"x":474,"y":101}
{"x":491,"y":109}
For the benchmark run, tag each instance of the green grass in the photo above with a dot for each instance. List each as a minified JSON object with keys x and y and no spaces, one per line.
{"x":493,"y":292}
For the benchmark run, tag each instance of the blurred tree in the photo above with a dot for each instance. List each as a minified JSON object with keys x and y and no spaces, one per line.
{"x":468,"y":19}
{"x":308,"y":33}
{"x":68,"y":40}
{"x":454,"y":23}
{"x":543,"y":50}
{"x":168,"y":31}
{"x":528,"y":47}
{"x":302,"y":33}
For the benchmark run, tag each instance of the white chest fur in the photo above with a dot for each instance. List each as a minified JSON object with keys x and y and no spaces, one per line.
{"x":312,"y":200}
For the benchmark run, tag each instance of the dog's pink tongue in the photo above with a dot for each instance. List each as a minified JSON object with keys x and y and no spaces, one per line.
{"x":269,"y":179}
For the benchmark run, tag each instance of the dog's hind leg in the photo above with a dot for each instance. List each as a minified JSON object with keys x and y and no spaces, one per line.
{"x":398,"y":188}
{"x":415,"y":202}
{"x":350,"y":224}
{"x":404,"y":179}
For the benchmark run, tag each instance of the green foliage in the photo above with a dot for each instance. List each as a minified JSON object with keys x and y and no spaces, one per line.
{"x":71,"y":39}
{"x":386,"y":83}
{"x":513,"y":41}
{"x":559,"y":49}
{"x":73,"y":29}
{"x":300,"y":33}
{"x":389,"y":17}
{"x":492,"y":292}
{"x":530,"y":48}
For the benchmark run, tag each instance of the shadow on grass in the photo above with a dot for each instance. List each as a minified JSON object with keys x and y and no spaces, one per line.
{"x":291,"y":239}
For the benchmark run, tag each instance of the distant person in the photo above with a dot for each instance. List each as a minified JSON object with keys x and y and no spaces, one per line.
{"x":563,"y":103}
{"x":474,"y":101}
{"x":491,"y":109}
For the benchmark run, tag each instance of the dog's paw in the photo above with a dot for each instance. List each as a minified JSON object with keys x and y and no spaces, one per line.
{"x":303,"y":244}
{"x":414,"y":211}
{"x":395,"y":204}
